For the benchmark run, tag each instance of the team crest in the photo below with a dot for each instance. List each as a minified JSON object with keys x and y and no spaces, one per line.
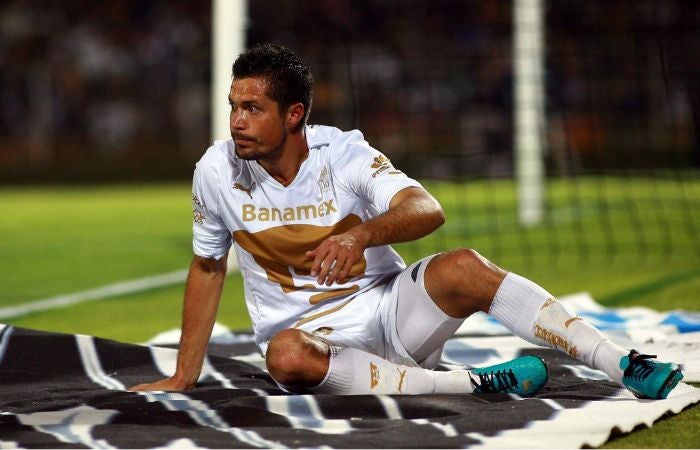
{"x":324,"y":180}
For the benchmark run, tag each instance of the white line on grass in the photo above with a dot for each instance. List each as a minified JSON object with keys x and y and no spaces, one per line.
{"x":100,"y":293}
{"x":110,"y":290}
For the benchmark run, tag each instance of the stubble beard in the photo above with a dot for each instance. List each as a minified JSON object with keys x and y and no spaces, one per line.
{"x":256,"y":154}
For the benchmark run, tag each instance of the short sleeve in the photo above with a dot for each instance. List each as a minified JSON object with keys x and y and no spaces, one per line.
{"x":211,"y":238}
{"x":367,"y":172}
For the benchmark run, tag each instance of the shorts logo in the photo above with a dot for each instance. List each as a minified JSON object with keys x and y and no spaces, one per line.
{"x":325,"y":331}
{"x":414,"y":272}
{"x":382,"y":164}
{"x":248,"y":191}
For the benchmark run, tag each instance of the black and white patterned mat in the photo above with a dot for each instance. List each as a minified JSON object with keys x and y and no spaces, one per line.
{"x":68,"y":391}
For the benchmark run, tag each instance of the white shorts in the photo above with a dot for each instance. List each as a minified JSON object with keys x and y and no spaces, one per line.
{"x":396,"y":320}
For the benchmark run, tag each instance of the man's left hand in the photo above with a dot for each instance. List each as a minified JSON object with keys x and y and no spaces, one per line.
{"x":334,"y":258}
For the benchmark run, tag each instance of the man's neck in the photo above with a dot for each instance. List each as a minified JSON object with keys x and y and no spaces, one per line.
{"x":285,"y":168}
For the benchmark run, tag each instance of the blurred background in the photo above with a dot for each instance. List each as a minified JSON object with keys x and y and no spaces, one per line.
{"x":98,"y":98}
{"x":94,"y":91}
{"x":120,"y":89}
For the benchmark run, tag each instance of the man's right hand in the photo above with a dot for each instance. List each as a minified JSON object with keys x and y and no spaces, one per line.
{"x":205,"y":282}
{"x":169,"y":384}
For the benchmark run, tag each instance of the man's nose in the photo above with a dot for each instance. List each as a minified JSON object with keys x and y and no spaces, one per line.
{"x":238,"y":120}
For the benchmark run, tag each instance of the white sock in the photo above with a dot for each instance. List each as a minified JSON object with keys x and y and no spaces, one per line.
{"x":535,"y":315}
{"x":352,"y":371}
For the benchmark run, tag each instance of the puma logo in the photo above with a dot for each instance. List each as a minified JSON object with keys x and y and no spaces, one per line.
{"x":547,"y":303}
{"x":248,"y":191}
{"x":373,"y":375}
{"x":402,"y":375}
{"x":572,"y":320}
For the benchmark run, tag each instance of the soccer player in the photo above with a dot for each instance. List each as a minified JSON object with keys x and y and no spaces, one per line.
{"x":311,"y":212}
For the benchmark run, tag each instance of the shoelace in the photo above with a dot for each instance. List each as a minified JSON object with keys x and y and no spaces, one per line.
{"x":640,"y":367}
{"x":498,"y":381}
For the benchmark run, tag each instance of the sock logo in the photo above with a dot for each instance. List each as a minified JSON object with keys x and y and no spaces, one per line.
{"x":373,"y":375}
{"x":555,"y":341}
{"x":572,"y":320}
{"x":547,"y":303}
{"x":402,"y":375}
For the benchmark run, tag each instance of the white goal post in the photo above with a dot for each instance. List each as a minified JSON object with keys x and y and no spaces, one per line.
{"x":529,"y":107}
{"x":229,"y":20}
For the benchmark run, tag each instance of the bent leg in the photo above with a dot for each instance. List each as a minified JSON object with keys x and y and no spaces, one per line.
{"x":440,"y":292}
{"x":296,"y":359}
{"x":463,"y":282}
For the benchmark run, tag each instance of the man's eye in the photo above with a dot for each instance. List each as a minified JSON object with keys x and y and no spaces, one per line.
{"x":253,"y":109}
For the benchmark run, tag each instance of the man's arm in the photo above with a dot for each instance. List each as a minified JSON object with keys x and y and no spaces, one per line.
{"x":205,"y":283}
{"x":413,"y":213}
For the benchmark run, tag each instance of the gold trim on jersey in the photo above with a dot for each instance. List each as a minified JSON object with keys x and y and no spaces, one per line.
{"x":342,"y":305}
{"x":321,"y":314}
{"x":280,"y":251}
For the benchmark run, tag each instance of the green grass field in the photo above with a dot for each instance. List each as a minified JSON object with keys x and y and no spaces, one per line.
{"x":626,"y":241}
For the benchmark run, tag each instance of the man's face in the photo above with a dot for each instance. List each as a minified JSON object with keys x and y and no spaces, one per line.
{"x":257,"y":127}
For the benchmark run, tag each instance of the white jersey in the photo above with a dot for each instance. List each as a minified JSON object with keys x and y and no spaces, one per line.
{"x":342,"y":183}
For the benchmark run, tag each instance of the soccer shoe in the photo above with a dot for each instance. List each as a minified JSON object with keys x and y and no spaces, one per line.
{"x":647,"y":377}
{"x":523,"y":376}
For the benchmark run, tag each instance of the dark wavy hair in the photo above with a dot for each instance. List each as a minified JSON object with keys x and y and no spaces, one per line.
{"x":290,"y":80}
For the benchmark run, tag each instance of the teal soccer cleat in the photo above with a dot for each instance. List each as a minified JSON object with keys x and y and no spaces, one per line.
{"x":647,"y":377}
{"x":524,"y":376}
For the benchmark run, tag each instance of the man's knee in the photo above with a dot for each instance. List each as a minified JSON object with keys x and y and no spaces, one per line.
{"x":467,"y":259}
{"x":468,"y":265}
{"x":462,"y":282}
{"x":297,"y":358}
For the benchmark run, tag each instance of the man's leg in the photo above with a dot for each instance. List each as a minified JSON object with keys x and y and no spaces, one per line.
{"x":297,"y":359}
{"x":462,"y":282}
{"x":423,"y":324}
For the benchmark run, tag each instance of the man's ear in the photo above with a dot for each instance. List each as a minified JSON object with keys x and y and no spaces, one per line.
{"x":295,"y":116}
